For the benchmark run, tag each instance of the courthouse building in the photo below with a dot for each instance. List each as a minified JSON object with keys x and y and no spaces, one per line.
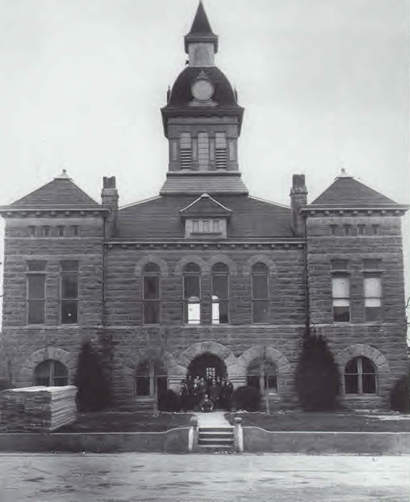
{"x":203,"y":278}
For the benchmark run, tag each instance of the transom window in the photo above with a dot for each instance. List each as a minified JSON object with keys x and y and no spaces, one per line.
{"x":192,"y":293}
{"x":220,"y":294}
{"x":151,"y":293}
{"x":69,"y":292}
{"x":51,"y":373}
{"x":262,"y":375}
{"x":260,"y":293}
{"x":360,"y":376}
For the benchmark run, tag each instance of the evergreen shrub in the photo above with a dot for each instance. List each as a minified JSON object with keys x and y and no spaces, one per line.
{"x":93,"y":387}
{"x":400,"y":395}
{"x":317,"y":376}
{"x":169,"y":400}
{"x":246,"y":398}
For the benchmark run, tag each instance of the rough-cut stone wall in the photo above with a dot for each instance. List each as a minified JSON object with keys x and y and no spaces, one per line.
{"x":133,"y":342}
{"x":384,"y":341}
{"x":22,"y":344}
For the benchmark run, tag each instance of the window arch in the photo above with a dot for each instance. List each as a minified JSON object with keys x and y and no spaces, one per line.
{"x":260,"y":293}
{"x":51,"y":373}
{"x":192,"y":293}
{"x":262,"y":374}
{"x":151,"y":378}
{"x":151,"y":293}
{"x":220,"y":293}
{"x":360,"y":376}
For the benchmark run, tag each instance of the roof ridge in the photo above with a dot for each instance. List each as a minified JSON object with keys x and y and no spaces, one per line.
{"x":22,"y":201}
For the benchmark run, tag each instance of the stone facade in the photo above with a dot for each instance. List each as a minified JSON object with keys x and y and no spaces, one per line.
{"x":113,"y":247}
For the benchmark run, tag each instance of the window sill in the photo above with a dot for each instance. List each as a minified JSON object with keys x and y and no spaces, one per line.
{"x":361,"y":396}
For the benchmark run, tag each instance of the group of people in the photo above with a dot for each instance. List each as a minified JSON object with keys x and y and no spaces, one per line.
{"x":200,"y":394}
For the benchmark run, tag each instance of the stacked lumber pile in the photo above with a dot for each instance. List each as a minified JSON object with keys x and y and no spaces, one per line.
{"x":38,"y":408}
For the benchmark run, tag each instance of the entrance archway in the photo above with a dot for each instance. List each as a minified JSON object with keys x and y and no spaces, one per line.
{"x":207,"y":365}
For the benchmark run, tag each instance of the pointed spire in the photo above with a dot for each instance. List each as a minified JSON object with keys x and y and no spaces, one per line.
{"x":201,"y":30}
{"x":201,"y":24}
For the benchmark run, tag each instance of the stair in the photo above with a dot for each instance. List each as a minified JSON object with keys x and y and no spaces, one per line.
{"x":215,"y":439}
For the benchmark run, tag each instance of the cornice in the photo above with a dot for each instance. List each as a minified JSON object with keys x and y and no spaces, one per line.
{"x":12,"y":212}
{"x":397,"y":210}
{"x":189,"y":244}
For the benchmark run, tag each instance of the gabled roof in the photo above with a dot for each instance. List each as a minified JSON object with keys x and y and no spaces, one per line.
{"x":345,"y":191}
{"x":200,"y":25}
{"x":205,"y":206}
{"x":60,"y":193}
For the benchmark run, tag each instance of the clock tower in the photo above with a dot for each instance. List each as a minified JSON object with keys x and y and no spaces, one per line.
{"x":202,"y":121}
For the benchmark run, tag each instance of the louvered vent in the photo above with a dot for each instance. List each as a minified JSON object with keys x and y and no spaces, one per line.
{"x":185,"y":151}
{"x":220,"y":158}
{"x":220,"y":150}
{"x":186,"y":158}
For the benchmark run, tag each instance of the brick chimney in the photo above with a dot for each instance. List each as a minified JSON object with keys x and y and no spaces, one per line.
{"x":109,"y":199}
{"x":298,"y":199}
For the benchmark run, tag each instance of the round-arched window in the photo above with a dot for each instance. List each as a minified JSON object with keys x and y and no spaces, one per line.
{"x":51,"y":373}
{"x":360,"y":376}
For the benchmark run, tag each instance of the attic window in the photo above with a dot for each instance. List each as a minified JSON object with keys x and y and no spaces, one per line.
{"x":205,"y":227}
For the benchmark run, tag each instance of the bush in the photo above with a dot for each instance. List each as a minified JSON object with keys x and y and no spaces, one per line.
{"x":246,"y":398}
{"x":317,"y":376}
{"x":400,"y":395}
{"x":93,"y":389}
{"x":168,"y":400}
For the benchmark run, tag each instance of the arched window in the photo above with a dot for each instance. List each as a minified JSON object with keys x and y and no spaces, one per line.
{"x":262,"y":375}
{"x":192,"y":293}
{"x":360,"y":376}
{"x":51,"y":373}
{"x":151,"y":293}
{"x":151,"y":378}
{"x":260,"y":293}
{"x":220,"y":293}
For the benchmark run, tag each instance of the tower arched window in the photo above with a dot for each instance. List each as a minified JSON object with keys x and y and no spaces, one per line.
{"x":151,"y":293}
{"x":220,"y":294}
{"x":262,"y":374}
{"x":260,"y":293}
{"x":151,"y":378}
{"x":360,"y":376}
{"x":51,"y":373}
{"x":192,"y":293}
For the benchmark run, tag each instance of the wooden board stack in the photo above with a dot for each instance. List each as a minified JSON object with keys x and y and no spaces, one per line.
{"x":37,"y":408}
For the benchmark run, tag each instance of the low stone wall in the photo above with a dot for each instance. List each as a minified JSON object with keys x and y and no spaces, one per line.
{"x":171,"y":441}
{"x":38,"y":408}
{"x":318,"y":443}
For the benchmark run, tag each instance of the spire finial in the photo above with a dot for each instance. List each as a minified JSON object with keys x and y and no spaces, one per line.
{"x":201,"y":30}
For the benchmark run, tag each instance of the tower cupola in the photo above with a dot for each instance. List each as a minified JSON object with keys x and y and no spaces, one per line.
{"x":202,"y":121}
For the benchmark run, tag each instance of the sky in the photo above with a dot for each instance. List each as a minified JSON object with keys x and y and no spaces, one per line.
{"x":324,"y":83}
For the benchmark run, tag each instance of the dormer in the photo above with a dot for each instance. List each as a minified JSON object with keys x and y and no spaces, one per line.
{"x":205,"y":218}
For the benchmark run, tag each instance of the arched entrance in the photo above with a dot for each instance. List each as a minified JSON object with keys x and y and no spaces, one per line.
{"x":207,"y":365}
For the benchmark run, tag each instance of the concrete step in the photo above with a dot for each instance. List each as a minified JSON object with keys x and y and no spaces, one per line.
{"x":216,"y":438}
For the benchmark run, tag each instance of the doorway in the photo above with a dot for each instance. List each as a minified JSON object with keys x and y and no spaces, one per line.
{"x":208,"y":366}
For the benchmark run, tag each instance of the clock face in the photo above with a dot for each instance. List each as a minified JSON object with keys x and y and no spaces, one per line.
{"x":202,"y":90}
